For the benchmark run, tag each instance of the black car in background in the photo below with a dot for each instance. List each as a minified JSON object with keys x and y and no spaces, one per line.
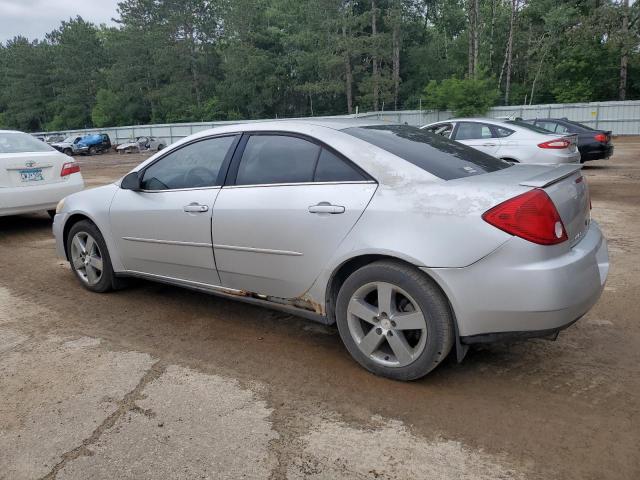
{"x":592,"y":144}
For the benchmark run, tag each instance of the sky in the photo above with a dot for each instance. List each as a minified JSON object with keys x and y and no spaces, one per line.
{"x":34,"y":18}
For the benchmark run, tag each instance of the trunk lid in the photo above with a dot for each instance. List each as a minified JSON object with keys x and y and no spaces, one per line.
{"x":569,"y":191}
{"x":564,"y":184}
{"x":31,"y":169}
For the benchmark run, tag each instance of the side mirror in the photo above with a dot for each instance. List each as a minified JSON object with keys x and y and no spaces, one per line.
{"x":131,"y":181}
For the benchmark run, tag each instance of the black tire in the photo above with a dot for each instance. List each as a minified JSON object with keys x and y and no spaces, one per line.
{"x":160,"y":147}
{"x":108,"y":280}
{"x":430,"y":299}
{"x":92,"y":150}
{"x":67,"y":151}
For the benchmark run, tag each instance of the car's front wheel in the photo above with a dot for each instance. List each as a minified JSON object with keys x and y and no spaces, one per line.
{"x":87,"y":252}
{"x":394,"y":320}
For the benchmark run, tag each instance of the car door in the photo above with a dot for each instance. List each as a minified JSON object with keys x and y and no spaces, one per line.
{"x":165,"y":229}
{"x":477,"y":135}
{"x":289,"y":204}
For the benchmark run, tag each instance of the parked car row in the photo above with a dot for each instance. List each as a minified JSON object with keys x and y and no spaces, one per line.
{"x":552,"y":141}
{"x":100,"y":142}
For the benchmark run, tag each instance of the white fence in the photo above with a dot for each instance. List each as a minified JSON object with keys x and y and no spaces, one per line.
{"x":622,"y":118}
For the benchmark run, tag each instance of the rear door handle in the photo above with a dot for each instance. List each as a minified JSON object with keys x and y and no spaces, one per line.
{"x":195,"y":208}
{"x":326,"y":207}
{"x":488,"y":144}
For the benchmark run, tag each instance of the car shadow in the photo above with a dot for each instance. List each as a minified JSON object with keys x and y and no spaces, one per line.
{"x":25,"y":224}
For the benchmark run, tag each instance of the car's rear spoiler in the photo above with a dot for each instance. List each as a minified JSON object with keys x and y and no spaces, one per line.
{"x":551,"y":176}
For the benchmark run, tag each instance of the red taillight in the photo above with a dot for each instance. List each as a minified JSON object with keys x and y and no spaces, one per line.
{"x":531,"y":216}
{"x":69,"y":168}
{"x":557,"y":144}
{"x":601,"y":137}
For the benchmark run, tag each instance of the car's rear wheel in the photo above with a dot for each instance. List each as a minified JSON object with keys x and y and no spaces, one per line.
{"x":87,"y":252}
{"x":67,"y":151}
{"x":394,"y":320}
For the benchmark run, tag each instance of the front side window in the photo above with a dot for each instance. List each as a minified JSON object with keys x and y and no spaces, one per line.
{"x":443,"y":129}
{"x":473,"y":131}
{"x":269,"y":159}
{"x":195,"y":165}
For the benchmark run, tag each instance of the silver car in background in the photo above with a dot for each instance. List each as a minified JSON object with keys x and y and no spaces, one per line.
{"x":33,"y":175}
{"x":512,"y":140}
{"x":413,"y":244}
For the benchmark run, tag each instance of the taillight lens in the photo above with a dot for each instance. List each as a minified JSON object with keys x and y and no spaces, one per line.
{"x":531,"y":216}
{"x":601,"y":137}
{"x":69,"y":168}
{"x":557,"y":144}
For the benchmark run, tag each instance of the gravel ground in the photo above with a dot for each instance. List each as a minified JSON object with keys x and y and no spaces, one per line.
{"x":158,"y":382}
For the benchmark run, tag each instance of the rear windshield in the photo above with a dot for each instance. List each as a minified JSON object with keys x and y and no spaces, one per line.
{"x":528,"y":126}
{"x":437,"y":155}
{"x":17,"y":142}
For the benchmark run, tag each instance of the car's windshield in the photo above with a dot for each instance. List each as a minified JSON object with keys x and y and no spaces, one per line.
{"x":17,"y":142}
{"x":434,"y":153}
{"x":528,"y":126}
{"x":68,"y":140}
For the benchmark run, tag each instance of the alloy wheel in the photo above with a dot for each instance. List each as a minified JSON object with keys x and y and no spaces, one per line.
{"x":86,"y":258}
{"x":387,"y":324}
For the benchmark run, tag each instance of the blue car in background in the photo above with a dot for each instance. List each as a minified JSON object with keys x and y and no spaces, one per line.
{"x":92,"y":144}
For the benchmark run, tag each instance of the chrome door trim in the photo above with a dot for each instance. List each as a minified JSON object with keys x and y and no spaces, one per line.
{"x":355,"y":182}
{"x":258,"y":250}
{"x":214,"y":187}
{"x":168,"y":242}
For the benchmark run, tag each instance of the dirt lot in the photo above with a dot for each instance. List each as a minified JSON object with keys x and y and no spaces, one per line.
{"x":159,"y":382}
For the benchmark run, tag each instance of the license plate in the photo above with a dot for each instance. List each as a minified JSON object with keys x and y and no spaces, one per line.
{"x":31,"y":175}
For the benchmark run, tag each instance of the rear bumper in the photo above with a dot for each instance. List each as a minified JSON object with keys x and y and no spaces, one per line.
{"x":596,"y":153}
{"x":521,"y":291}
{"x":17,"y":200}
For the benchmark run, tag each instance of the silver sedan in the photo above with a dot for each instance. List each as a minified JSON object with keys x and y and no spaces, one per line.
{"x":413,"y":244}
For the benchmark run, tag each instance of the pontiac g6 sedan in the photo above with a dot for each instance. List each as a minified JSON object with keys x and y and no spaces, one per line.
{"x":413,"y":244}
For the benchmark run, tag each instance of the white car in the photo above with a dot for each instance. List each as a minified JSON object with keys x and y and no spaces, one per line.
{"x":141,"y":144}
{"x":511,"y":140}
{"x":33,"y":175}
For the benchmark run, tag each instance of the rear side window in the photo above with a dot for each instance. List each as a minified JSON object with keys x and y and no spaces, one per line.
{"x":433,"y":153}
{"x":551,"y":126}
{"x":502,"y":132}
{"x":332,"y":168}
{"x":472,"y":131}
{"x":269,"y":159}
{"x":527,"y":126}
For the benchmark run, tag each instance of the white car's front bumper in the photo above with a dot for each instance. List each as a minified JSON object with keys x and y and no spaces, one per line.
{"x":34,"y":198}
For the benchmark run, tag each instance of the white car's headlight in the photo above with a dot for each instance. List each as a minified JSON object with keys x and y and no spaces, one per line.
{"x":60,"y":206}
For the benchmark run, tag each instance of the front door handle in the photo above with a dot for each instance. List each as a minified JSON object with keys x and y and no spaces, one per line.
{"x":488,"y":144}
{"x":326,"y":207}
{"x":195,"y":208}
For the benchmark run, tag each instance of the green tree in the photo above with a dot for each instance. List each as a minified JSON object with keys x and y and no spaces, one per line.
{"x":464,"y":97}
